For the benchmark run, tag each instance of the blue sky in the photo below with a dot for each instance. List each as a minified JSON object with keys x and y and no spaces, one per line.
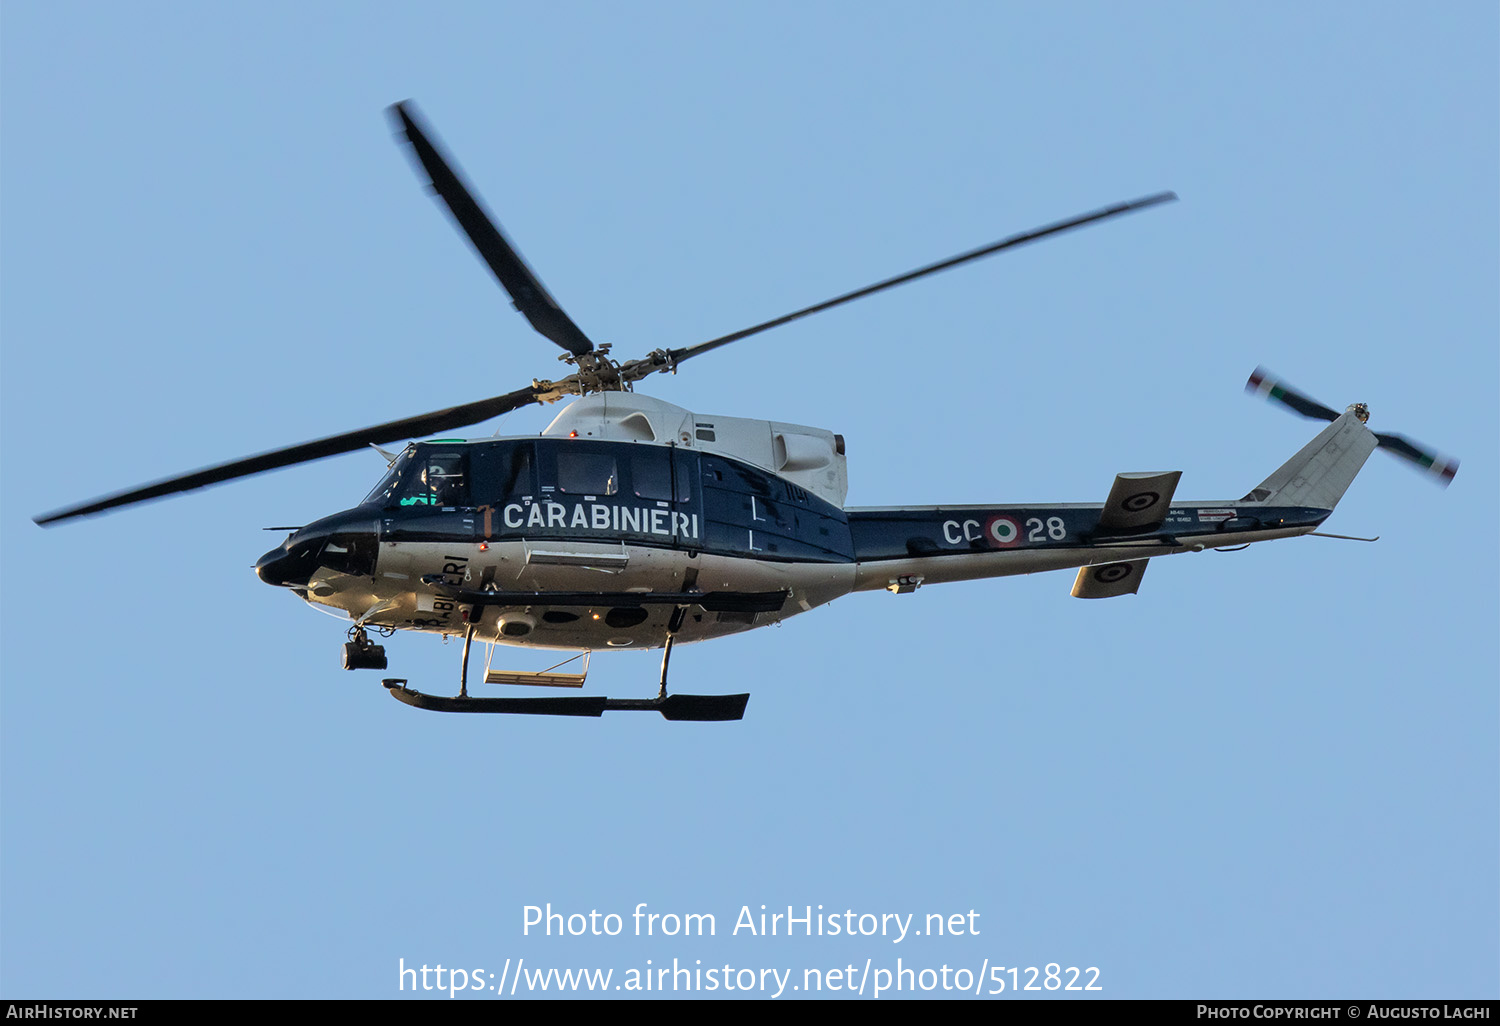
{"x":1269,"y":774}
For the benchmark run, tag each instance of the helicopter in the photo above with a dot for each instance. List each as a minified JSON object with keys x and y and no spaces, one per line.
{"x":631,"y":523}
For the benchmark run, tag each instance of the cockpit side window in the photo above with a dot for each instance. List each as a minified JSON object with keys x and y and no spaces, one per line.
{"x":442,"y":480}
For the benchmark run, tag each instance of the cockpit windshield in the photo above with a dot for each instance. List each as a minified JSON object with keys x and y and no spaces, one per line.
{"x":385,"y":491}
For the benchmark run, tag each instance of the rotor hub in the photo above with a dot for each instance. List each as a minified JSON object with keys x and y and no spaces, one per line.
{"x":596,"y":371}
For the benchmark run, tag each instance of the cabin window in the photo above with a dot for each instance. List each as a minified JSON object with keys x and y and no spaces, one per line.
{"x":587,"y":473}
{"x":516,"y":477}
{"x":500,"y":471}
{"x":651,"y":475}
{"x":735,"y":476}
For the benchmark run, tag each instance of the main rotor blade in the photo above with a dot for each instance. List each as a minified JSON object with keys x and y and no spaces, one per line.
{"x":396,"y":430}
{"x":526,"y":291}
{"x":1021,"y":239}
{"x":1443,"y":469}
{"x":1261,"y":383}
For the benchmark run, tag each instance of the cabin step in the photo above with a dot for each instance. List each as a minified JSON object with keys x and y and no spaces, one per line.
{"x":535,"y":679}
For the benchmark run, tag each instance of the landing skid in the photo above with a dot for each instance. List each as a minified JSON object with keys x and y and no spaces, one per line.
{"x":701,"y":708}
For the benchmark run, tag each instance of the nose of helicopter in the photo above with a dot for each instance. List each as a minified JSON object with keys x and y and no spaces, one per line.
{"x":344,"y":543}
{"x":288,"y":565}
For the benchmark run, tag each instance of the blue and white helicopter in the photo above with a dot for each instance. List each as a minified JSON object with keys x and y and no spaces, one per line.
{"x":632,"y":523}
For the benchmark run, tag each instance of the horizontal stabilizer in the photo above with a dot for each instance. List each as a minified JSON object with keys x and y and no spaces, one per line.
{"x":1106,"y":580}
{"x":1138,"y":502}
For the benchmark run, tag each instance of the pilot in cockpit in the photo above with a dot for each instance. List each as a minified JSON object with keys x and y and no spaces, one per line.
{"x":442,"y":483}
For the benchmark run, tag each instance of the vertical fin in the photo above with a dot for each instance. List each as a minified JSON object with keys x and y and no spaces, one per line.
{"x":1323,"y":469}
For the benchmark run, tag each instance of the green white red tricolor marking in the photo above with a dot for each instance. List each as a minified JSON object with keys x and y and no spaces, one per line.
{"x":1266,"y":387}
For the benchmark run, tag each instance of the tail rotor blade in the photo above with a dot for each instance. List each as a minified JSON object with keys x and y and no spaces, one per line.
{"x":1261,"y":383}
{"x":1440,"y":467}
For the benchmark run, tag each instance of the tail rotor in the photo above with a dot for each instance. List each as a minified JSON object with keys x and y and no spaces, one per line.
{"x":1442,"y":468}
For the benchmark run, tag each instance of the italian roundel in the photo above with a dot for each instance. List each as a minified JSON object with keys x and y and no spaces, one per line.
{"x":1002,"y":532}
